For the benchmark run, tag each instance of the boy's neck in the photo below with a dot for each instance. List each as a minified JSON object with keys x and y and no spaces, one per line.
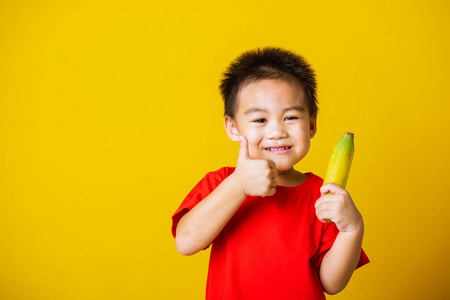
{"x":291,"y":178}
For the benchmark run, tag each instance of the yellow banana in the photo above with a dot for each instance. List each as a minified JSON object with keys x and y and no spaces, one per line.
{"x":341,"y":161}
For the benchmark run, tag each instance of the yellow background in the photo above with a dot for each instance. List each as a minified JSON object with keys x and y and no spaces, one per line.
{"x":110,"y":113}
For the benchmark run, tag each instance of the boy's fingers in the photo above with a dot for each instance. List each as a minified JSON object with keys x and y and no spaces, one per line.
{"x":272,"y":164}
{"x":272,"y":191}
{"x":330,"y":188}
{"x":324,"y":215}
{"x":273,"y":182}
{"x":323,"y":199}
{"x":273,"y":173}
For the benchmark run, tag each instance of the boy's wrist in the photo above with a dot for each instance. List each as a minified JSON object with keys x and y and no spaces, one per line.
{"x":357,"y":228}
{"x":236,"y":182}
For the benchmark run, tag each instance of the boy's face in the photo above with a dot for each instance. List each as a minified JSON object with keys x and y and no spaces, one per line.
{"x":273,"y":115}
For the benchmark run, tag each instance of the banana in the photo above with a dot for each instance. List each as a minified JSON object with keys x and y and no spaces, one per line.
{"x":341,"y":161}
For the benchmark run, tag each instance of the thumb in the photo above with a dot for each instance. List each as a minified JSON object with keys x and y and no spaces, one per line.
{"x":243,"y":148}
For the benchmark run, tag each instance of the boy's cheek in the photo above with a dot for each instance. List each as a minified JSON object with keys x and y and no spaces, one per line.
{"x":253,"y":153}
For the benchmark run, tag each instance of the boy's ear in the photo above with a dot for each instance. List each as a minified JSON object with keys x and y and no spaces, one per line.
{"x":231,"y":129}
{"x":312,"y":126}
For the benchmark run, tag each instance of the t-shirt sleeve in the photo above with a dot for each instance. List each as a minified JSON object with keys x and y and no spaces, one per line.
{"x":203,"y":188}
{"x":330,"y":233}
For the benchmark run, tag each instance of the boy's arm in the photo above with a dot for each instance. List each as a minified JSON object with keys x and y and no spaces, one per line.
{"x":341,"y":260}
{"x":200,"y":226}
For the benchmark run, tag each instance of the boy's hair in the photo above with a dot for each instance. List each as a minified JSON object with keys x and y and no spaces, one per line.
{"x":267,"y":63}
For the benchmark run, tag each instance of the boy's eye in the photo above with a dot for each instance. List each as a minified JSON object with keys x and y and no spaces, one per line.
{"x":291,"y":118}
{"x":260,"y":121}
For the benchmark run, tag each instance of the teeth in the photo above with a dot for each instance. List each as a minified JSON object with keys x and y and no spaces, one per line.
{"x":274,"y":149}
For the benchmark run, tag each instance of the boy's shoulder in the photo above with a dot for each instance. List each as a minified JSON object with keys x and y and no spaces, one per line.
{"x":220,"y":174}
{"x":213,"y":178}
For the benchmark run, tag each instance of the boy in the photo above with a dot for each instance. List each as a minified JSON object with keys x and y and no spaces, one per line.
{"x":267,"y":221}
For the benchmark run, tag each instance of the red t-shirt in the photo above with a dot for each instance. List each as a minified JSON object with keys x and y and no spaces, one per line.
{"x":271,"y":248}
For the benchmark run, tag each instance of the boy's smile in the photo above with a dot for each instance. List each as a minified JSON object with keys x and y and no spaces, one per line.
{"x":273,"y":115}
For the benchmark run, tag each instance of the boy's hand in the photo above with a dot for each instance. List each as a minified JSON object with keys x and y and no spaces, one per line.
{"x":257,"y":177}
{"x":338,"y":207}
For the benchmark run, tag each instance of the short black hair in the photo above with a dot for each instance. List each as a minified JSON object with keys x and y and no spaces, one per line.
{"x":267,"y":63}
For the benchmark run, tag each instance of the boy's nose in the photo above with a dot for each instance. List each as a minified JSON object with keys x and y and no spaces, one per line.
{"x":276,"y":131}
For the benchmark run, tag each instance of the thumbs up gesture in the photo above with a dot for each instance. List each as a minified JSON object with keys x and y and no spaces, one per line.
{"x":256,"y":176}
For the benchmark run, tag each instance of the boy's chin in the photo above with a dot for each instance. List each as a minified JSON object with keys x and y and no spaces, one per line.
{"x":284,"y":169}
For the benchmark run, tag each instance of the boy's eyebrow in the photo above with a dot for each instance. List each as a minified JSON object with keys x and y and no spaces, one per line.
{"x":261,"y":109}
{"x":255,"y":110}
{"x":295,"y":107}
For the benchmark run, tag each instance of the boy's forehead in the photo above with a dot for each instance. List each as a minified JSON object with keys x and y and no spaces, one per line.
{"x":268,"y":92}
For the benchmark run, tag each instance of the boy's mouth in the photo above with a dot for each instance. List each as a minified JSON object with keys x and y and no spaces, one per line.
{"x":279,"y":148}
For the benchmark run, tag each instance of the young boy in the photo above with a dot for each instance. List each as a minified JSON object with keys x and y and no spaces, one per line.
{"x":267,"y":221}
